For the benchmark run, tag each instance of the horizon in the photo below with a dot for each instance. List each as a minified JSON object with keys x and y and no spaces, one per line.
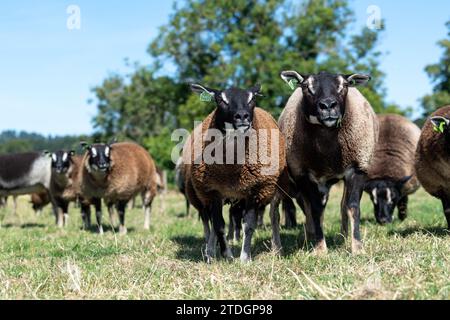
{"x":48,"y":70}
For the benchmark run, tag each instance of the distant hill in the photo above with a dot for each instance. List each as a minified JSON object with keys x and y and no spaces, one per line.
{"x":15,"y":142}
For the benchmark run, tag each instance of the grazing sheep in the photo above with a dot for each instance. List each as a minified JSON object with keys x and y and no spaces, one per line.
{"x":391,"y":177}
{"x":218,"y":175}
{"x":117,"y":173}
{"x":65,"y":185}
{"x":25,"y":173}
{"x":39,"y":201}
{"x":331,"y":132}
{"x":433,"y":158}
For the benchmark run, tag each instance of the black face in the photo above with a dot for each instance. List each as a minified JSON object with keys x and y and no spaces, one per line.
{"x":99,"y":156}
{"x":61,"y":161}
{"x":324,"y":94}
{"x":235,"y":107}
{"x":385,"y":195}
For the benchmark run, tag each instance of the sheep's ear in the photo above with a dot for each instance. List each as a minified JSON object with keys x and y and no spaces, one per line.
{"x":256,"y":90}
{"x":357,"y":79}
{"x":206,"y":94}
{"x":292,"y":78}
{"x":401,"y":183}
{"x":72,"y":153}
{"x":85,"y":145}
{"x":440,"y":123}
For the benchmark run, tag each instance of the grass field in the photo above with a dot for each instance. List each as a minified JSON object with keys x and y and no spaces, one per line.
{"x":408,"y":260}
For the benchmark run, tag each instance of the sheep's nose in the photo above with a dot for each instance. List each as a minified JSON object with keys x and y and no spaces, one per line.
{"x":327,"y":104}
{"x":242,"y":115}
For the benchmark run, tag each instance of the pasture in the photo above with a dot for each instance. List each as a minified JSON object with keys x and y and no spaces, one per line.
{"x":408,"y":260}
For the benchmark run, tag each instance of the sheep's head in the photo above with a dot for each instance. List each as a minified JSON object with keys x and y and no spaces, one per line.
{"x":324,"y":94}
{"x":61,"y":161}
{"x":235,"y":107}
{"x":99,"y":156}
{"x":385,"y":195}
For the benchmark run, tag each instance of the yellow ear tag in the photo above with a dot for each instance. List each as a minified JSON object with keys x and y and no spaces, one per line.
{"x":205,"y":97}
{"x":440,"y":129}
{"x":293,"y":84}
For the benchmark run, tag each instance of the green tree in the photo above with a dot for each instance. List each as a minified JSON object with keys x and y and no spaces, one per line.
{"x":439,"y":74}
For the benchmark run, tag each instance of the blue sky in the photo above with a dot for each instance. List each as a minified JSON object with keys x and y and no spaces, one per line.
{"x":46,"y":70}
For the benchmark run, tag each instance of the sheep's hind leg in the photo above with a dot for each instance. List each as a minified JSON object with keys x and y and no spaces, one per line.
{"x":147,"y":204}
{"x":121,"y":206}
{"x":290,"y":219}
{"x":446,"y":206}
{"x":275,"y":222}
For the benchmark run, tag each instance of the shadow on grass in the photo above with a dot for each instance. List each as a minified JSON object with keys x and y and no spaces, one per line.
{"x":435,"y":231}
{"x":25,"y":226}
{"x":107,"y":228}
{"x":190,"y":247}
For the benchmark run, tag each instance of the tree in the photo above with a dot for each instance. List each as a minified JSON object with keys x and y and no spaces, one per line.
{"x":439,"y":74}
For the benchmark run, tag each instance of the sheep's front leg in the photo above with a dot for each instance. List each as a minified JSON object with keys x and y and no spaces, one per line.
{"x":86,"y":215}
{"x":65,"y":213}
{"x":446,"y":206}
{"x":98,"y":213}
{"x":275,"y":222}
{"x":219,"y":228}
{"x":249,"y":229}
{"x":403,"y":208}
{"x":354,"y":186}
{"x":121,"y":206}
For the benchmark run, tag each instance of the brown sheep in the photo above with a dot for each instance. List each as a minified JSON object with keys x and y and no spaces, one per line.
{"x":331,"y":133}
{"x":433,"y":158}
{"x":117,"y":173}
{"x":39,"y":201}
{"x":391,"y":177}
{"x":247,"y":176}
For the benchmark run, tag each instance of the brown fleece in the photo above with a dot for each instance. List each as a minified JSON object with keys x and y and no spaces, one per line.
{"x":326,"y":153}
{"x":433,"y":158}
{"x":66,"y":186}
{"x":132,"y":172}
{"x":233,"y":181}
{"x":395,"y":151}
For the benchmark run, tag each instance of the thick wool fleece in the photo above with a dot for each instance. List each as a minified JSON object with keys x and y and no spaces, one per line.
{"x":395,"y":151}
{"x":326,"y":153}
{"x":233,"y":181}
{"x":66,"y":186}
{"x":132,"y":172}
{"x":433,"y":158}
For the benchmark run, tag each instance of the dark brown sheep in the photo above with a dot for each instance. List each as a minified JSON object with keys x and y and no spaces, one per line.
{"x":39,"y":201}
{"x":331,"y":133}
{"x":433,"y":158}
{"x":391,"y":177}
{"x":117,"y":173}
{"x":247,"y":177}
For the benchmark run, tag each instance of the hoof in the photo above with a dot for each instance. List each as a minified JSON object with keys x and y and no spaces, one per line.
{"x":123,"y":230}
{"x":357,"y":247}
{"x":227,"y":254}
{"x":245,"y":258}
{"x":320,"y":249}
{"x":402,"y":216}
{"x":100,"y":231}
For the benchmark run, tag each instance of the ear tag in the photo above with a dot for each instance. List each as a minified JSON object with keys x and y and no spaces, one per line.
{"x":205,"y":97}
{"x":293,"y":84}
{"x":439,"y":129}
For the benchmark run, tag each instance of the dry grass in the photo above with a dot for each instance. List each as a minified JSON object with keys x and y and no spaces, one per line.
{"x":407,"y":260}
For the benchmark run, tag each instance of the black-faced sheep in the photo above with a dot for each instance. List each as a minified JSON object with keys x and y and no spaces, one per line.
{"x":117,"y":173}
{"x":433,"y":158}
{"x":331,"y":132}
{"x":391,"y":177}
{"x":223,"y":170}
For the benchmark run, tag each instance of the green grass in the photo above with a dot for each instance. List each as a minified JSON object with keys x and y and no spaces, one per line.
{"x":408,"y":260}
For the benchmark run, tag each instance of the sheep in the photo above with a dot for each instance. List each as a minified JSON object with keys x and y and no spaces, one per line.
{"x":331,"y":132}
{"x":25,"y":173}
{"x":39,"y":200}
{"x":65,"y":185}
{"x":247,"y":176}
{"x":391,"y":176}
{"x":432,"y":162}
{"x":117,"y":173}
